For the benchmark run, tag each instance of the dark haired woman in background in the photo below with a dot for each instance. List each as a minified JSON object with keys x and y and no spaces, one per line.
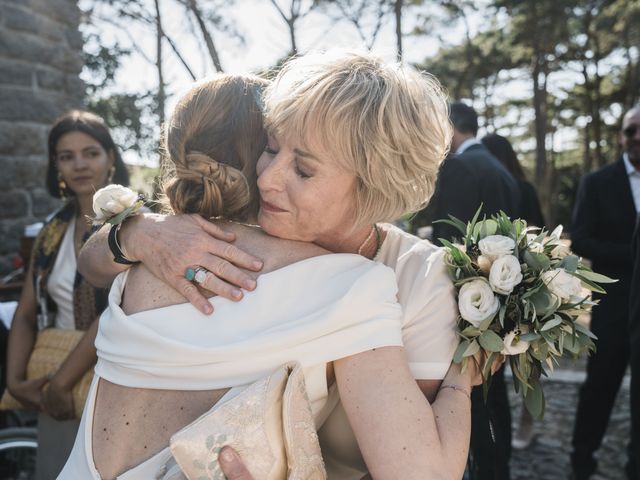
{"x":82,"y":159}
{"x":529,"y":205}
{"x":530,"y":211}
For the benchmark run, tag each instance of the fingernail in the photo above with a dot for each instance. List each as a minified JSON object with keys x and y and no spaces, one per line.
{"x":236,"y":293}
{"x":208,"y":309}
{"x":257,"y":265}
{"x":250,"y":284}
{"x":227,"y":455}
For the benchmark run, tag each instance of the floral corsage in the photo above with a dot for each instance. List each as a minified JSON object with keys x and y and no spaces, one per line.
{"x":113,"y":203}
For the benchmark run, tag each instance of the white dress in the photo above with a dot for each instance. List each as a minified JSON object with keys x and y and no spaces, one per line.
{"x":429,"y":313}
{"x":313,"y":311}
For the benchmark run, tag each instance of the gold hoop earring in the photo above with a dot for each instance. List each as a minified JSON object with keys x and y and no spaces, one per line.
{"x":62,"y":187}
{"x":112,"y":172}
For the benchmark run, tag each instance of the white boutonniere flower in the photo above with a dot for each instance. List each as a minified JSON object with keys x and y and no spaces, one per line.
{"x":113,"y":200}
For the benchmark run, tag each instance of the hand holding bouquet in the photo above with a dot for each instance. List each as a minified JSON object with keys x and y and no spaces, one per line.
{"x":520,"y":292}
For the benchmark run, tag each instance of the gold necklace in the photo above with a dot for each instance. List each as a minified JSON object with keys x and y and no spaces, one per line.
{"x":374,"y":229}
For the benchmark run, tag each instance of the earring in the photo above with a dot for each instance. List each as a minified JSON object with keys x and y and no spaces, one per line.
{"x":112,"y":172}
{"x":62,"y":187}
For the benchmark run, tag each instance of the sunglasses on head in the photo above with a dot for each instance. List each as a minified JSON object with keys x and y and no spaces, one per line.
{"x":630,"y":131}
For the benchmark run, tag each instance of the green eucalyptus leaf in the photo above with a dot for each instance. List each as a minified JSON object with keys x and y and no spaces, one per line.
{"x":554,"y":322}
{"x":472,"y":349}
{"x":582,"y":329}
{"x":596,"y":277}
{"x":470,"y":331}
{"x":569,"y":263}
{"x":534,"y":400}
{"x":537,"y":261}
{"x":459,"y":353}
{"x":491,"y":341}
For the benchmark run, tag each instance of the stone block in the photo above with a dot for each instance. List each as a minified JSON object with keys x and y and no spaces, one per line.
{"x":64,"y":11}
{"x":50,"y":79}
{"x":21,"y":18}
{"x":27,"y":48}
{"x":31,"y":171}
{"x":42,"y":204}
{"x":15,"y":203}
{"x":74,"y":38}
{"x":24,"y":105}
{"x":22,"y":139}
{"x":15,"y":73}
{"x":74,"y":86}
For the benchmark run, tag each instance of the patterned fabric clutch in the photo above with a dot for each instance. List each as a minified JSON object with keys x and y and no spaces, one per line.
{"x":269,"y":424}
{"x":52,"y":348}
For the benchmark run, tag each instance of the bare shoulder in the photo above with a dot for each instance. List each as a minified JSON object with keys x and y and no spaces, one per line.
{"x":145,"y":291}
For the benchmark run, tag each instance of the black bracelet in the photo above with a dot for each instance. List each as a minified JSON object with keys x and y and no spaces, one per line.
{"x":114,"y":246}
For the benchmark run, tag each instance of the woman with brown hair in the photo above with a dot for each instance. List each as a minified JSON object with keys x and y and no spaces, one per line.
{"x":82,"y":159}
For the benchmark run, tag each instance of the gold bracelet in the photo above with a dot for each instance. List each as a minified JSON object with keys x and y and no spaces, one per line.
{"x":457,"y":388}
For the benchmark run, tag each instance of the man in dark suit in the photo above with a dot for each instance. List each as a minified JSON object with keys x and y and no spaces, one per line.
{"x":469,"y":177}
{"x":603,"y":222}
{"x":633,"y":468}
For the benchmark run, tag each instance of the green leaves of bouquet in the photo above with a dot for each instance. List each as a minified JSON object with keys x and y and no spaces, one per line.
{"x":520,"y":294}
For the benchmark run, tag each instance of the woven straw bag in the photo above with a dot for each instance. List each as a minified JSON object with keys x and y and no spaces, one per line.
{"x":53,"y":346}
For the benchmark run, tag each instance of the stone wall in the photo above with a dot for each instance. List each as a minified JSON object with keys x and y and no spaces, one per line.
{"x":40,"y":60}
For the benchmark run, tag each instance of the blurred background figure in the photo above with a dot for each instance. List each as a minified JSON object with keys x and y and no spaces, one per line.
{"x":603,"y":223}
{"x":529,"y":210}
{"x":469,"y":177}
{"x":529,"y":206}
{"x":634,"y":334}
{"x":82,"y":158}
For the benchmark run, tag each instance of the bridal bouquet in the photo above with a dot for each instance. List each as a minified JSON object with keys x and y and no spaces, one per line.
{"x":520,"y":291}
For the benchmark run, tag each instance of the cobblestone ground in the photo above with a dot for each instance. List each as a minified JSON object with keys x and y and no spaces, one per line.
{"x":548,"y":456}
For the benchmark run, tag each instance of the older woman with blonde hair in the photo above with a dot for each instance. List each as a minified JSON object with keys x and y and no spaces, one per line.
{"x":353,"y":142}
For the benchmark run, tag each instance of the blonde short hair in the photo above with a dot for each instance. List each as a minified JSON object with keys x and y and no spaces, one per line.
{"x":212,"y":143}
{"x":386,"y":123}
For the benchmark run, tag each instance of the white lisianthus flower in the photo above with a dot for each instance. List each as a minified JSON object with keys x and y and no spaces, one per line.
{"x":111,"y":200}
{"x":494,"y":246}
{"x":562,"y":284}
{"x":561,"y":250}
{"x":513,"y":344}
{"x":477,"y":302}
{"x":505,"y":274}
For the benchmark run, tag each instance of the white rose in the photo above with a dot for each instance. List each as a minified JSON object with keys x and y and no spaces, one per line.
{"x":505,"y":274}
{"x":513,"y":344}
{"x":477,"y":302}
{"x":494,"y":246}
{"x":111,"y":200}
{"x":562,"y":284}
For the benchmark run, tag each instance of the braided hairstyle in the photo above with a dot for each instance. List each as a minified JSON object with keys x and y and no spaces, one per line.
{"x":212,"y":143}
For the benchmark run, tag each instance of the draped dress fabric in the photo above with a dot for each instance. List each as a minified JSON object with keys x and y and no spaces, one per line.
{"x":313,"y":311}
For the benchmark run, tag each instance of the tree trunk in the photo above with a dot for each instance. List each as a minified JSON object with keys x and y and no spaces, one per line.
{"x":398,"y":12}
{"x":159,"y":35}
{"x":208,"y":39}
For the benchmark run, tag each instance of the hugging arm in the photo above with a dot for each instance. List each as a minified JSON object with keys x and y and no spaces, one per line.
{"x":399,"y":433}
{"x":168,"y":245}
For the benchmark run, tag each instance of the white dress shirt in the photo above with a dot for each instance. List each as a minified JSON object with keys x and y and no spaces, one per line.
{"x":634,"y":180}
{"x":466,"y":144}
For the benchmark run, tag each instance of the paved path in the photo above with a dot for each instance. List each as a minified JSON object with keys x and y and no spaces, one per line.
{"x":548,"y":456}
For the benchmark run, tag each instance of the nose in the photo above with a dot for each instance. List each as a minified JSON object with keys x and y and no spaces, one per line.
{"x":80,"y":161}
{"x":271,"y":176}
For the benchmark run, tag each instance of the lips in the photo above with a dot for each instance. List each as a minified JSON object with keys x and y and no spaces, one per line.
{"x":269,"y":207}
{"x":81,"y":179}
